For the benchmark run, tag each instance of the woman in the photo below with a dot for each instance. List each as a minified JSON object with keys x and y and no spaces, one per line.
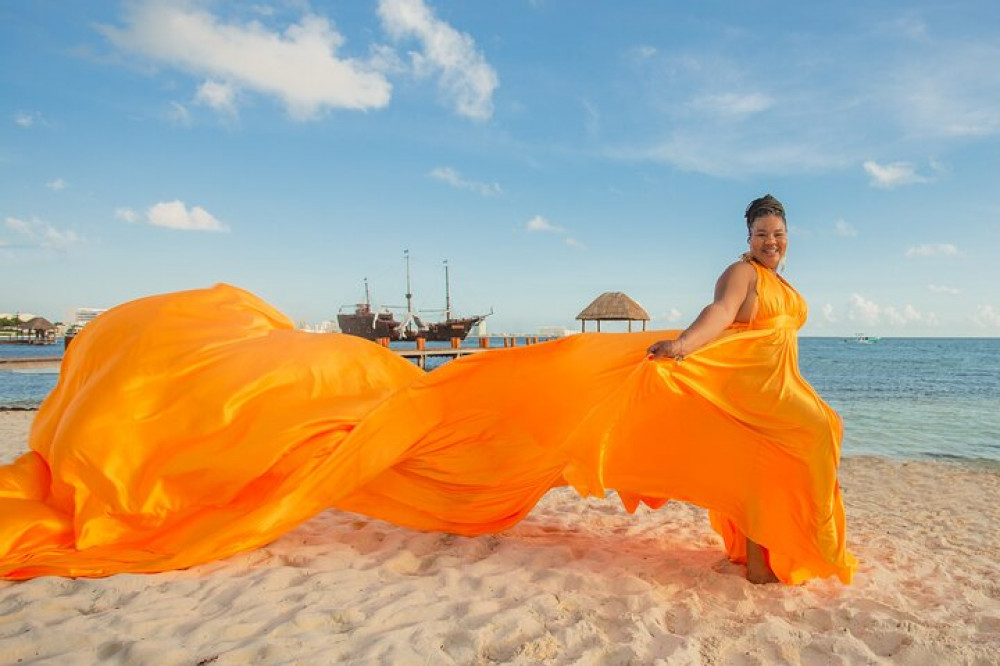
{"x":190,"y":426}
{"x":736,"y":303}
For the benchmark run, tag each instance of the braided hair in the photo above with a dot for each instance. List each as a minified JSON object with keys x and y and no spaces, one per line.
{"x":762,"y":207}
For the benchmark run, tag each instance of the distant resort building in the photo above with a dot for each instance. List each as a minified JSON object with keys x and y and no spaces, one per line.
{"x":82,"y":317}
{"x":322,"y":327}
{"x":87,"y":315}
{"x":613,"y":306}
{"x":554,"y":331}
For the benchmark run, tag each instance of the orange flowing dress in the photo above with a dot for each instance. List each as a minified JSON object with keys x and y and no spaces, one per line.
{"x":190,"y":426}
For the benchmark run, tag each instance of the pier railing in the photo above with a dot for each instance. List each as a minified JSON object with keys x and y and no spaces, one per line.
{"x":419,"y":354}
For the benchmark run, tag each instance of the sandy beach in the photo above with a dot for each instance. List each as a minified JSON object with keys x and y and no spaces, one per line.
{"x":577,"y":582}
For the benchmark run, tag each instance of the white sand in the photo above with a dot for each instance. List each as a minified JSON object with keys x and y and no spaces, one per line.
{"x":577,"y":582}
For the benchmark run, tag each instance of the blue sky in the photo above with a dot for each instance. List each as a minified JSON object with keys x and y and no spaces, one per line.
{"x":550,"y":151}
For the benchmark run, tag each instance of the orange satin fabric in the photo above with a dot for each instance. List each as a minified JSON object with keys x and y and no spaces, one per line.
{"x":191,"y":426}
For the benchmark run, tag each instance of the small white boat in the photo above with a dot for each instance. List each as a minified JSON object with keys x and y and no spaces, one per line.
{"x":862,"y":339}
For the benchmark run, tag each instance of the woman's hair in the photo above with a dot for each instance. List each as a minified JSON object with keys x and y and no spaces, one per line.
{"x":766,"y":205}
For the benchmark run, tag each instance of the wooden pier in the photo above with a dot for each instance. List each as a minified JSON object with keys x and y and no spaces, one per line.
{"x":421,"y":355}
{"x":30,"y":363}
{"x":456,"y":350}
{"x":418,"y":355}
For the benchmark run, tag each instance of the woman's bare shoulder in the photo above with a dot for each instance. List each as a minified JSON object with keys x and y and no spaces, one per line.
{"x":742,"y":271}
{"x":736,"y":282}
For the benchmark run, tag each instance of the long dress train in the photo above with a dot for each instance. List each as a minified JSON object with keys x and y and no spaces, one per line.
{"x":191,"y":426}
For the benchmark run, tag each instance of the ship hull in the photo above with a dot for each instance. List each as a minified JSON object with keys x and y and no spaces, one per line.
{"x":368,"y":325}
{"x":442,"y":331}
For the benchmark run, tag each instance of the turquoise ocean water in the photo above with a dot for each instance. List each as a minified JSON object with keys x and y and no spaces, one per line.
{"x":901,"y":397}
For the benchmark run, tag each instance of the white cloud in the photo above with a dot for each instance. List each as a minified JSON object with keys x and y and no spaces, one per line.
{"x":710,"y":113}
{"x":642,"y":52}
{"x":37,"y":233}
{"x":949,"y":92}
{"x":842,"y":228}
{"x":178,"y":114}
{"x":19,"y":226}
{"x":592,"y":118}
{"x":298,"y":66}
{"x":25,"y":120}
{"x":671,"y":316}
{"x":126,"y":215}
{"x":453,"y":178}
{"x":540,"y":224}
{"x":382,"y":58}
{"x":466,"y":79}
{"x":869,"y":313}
{"x":863,"y":310}
{"x":912,"y":27}
{"x":941,"y":289}
{"x":733,"y":105}
{"x":938,"y":166}
{"x":893,"y":175}
{"x":829,"y":112}
{"x":893,"y":316}
{"x":217,"y":95}
{"x":828,"y":312}
{"x":722,"y":151}
{"x":908,"y":315}
{"x":57,"y":184}
{"x":932,"y":250}
{"x":175,"y":215}
{"x":987,"y":316}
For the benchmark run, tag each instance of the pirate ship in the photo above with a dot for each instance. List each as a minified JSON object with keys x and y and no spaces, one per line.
{"x":371,"y":323}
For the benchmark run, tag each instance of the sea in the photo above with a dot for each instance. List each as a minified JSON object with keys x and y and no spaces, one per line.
{"x":904,"y":398}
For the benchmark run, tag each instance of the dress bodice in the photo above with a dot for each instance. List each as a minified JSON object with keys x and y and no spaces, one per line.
{"x":779,"y":305}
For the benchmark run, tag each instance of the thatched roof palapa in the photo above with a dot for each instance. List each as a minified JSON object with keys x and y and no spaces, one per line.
{"x":37,"y":324}
{"x":613,"y":306}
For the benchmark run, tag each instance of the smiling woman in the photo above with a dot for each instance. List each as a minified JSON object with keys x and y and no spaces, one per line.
{"x":750,"y":295}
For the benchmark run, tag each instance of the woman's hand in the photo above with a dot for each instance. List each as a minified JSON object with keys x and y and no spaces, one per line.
{"x":666,"y":349}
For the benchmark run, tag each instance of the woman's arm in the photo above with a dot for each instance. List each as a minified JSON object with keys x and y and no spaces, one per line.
{"x":731,"y":291}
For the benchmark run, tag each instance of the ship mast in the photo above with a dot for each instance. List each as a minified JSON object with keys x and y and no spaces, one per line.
{"x":409,"y":296}
{"x":447,"y":293}
{"x":368,"y":298}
